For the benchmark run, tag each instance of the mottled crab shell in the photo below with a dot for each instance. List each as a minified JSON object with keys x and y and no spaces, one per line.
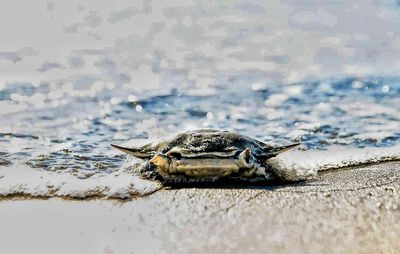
{"x":208,"y":143}
{"x":206,"y":154}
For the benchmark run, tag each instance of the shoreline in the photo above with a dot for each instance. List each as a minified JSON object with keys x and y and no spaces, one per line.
{"x":349,"y":210}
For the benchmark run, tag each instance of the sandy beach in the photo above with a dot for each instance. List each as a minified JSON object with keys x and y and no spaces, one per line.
{"x":355,"y":210}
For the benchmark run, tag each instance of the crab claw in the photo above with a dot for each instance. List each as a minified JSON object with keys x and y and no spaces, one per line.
{"x":245,"y":157}
{"x":159,"y":160}
{"x":161,"y":163}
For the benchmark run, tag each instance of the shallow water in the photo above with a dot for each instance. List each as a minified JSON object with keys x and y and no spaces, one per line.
{"x":127,"y":75}
{"x":77,"y":134}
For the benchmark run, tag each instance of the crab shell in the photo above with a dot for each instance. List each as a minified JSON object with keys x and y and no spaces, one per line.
{"x":207,"y":154}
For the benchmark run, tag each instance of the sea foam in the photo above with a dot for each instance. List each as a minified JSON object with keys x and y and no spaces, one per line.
{"x":299,"y":164}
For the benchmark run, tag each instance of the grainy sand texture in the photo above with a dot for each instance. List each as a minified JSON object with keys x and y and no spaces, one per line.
{"x":353,"y":210}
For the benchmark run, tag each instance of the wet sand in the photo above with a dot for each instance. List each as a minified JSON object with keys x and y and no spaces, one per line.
{"x":356,"y":210}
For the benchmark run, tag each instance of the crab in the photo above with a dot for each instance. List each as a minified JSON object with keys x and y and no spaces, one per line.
{"x":207,"y":155}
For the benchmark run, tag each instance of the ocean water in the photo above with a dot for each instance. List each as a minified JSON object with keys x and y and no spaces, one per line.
{"x":77,"y":76}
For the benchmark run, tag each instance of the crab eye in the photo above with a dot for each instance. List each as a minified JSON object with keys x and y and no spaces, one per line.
{"x":175,"y":155}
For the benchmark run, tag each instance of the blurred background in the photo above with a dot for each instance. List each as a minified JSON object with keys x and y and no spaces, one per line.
{"x":76,"y":76}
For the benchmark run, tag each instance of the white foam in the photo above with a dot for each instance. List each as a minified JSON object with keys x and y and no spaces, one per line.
{"x":298,"y":165}
{"x":22,"y":180}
